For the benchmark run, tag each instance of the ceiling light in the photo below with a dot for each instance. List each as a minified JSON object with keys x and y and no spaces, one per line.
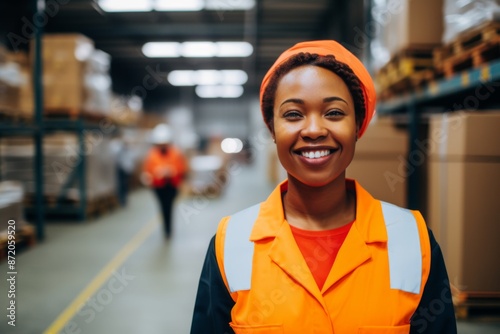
{"x":234,"y":77}
{"x":181,"y":78}
{"x":229,"y":5}
{"x":126,"y":5}
{"x":234,"y":49}
{"x":178,"y":5}
{"x":219,"y":91}
{"x":199,"y":49}
{"x":174,"y":5}
{"x":161,"y":49}
{"x":207,"y":77}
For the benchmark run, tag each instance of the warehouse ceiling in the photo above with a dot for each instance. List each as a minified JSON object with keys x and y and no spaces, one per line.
{"x":270,"y":26}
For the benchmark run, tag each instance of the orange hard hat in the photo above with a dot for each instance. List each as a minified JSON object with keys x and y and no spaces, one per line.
{"x":341,"y":54}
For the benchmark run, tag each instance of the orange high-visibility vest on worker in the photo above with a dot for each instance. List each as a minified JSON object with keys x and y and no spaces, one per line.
{"x":374,"y":286}
{"x":155,"y":161}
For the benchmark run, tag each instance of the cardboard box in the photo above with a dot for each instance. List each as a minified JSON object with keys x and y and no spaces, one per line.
{"x":379,"y":163}
{"x":464,"y":187}
{"x":412,"y":23}
{"x":64,"y":59}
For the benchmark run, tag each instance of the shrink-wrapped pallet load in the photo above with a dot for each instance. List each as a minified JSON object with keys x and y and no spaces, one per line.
{"x":463,"y":16}
{"x":62,"y":159}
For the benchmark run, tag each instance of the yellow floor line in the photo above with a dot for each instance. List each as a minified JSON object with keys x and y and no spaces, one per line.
{"x":101,"y":278}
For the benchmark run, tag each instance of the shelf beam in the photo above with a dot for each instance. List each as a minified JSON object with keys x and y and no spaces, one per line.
{"x":466,"y":80}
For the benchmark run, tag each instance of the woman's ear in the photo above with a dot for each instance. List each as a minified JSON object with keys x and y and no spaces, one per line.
{"x":270,"y":126}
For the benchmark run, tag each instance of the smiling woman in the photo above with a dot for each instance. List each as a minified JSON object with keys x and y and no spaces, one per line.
{"x":321,"y":254}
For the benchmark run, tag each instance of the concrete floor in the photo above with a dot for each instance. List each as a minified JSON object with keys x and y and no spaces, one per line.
{"x":125,"y":277}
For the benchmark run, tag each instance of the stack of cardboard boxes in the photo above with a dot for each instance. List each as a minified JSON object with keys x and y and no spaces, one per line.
{"x":461,"y":164}
{"x":379,"y":163}
{"x":75,"y":75}
{"x":412,"y":23}
{"x":463,"y":195}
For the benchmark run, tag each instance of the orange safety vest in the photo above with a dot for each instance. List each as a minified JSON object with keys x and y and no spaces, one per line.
{"x":155,"y":161}
{"x":374,"y":286}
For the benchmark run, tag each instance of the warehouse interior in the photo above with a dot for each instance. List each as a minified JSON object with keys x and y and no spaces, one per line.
{"x":84,"y":84}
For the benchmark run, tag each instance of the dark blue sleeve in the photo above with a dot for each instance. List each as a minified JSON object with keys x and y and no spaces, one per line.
{"x":435,"y":313}
{"x":212,"y":310}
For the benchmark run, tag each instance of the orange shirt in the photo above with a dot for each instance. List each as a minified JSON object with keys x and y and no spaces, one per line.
{"x":320,"y":248}
{"x":156,"y":162}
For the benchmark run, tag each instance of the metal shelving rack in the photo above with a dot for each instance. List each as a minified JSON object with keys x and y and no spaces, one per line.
{"x":442,"y":95}
{"x":47,"y":126}
{"x":37,"y":129}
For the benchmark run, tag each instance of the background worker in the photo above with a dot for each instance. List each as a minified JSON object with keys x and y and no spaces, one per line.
{"x":164,"y":170}
{"x":320,"y":254}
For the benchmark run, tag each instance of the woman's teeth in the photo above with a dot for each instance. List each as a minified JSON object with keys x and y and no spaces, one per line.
{"x":315,"y":154}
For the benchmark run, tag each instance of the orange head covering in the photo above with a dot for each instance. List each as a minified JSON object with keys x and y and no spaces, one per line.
{"x":329,"y":47}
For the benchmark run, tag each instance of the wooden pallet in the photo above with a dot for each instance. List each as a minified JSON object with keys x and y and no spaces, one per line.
{"x":483,"y":305}
{"x":408,"y":70}
{"x":12,"y":115}
{"x":72,"y":114}
{"x":48,"y":200}
{"x":95,"y":207}
{"x":66,"y":113}
{"x":101,"y":205}
{"x":470,"y":50}
{"x":25,"y":238}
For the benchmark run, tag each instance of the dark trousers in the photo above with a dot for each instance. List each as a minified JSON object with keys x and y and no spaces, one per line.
{"x":123,"y":179}
{"x":166,"y":196}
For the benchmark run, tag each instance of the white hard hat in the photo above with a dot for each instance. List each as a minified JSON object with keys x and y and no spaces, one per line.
{"x":161,"y":134}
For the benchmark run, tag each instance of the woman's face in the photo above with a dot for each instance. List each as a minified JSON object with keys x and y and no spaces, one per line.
{"x":314,"y":125}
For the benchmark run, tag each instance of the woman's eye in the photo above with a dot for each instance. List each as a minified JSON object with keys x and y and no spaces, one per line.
{"x":335,"y":113}
{"x":292,"y":114}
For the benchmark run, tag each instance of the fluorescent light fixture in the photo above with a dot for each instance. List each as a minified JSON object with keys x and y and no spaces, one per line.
{"x":174,"y":5}
{"x":161,"y":49}
{"x":234,"y":77}
{"x":219,"y":91}
{"x":199,"y":49}
{"x":234,"y":49}
{"x":202,"y":49}
{"x":181,"y":78}
{"x":229,"y":5}
{"x":126,"y":5}
{"x":207,"y":77}
{"x":179,"y":5}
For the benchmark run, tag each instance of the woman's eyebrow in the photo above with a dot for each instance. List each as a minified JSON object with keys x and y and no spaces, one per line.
{"x":325,"y":100}
{"x":334,"y":98}
{"x":298,"y":101}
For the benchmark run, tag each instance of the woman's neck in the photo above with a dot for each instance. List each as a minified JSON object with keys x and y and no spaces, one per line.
{"x":319,"y":208}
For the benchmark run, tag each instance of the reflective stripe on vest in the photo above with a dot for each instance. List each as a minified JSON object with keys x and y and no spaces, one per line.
{"x":238,"y":249}
{"x":403,"y":245}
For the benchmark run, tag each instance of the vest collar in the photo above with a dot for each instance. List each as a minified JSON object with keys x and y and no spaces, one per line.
{"x":271,"y":215}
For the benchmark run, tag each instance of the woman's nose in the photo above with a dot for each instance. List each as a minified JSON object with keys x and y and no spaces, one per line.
{"x":314,"y":128}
